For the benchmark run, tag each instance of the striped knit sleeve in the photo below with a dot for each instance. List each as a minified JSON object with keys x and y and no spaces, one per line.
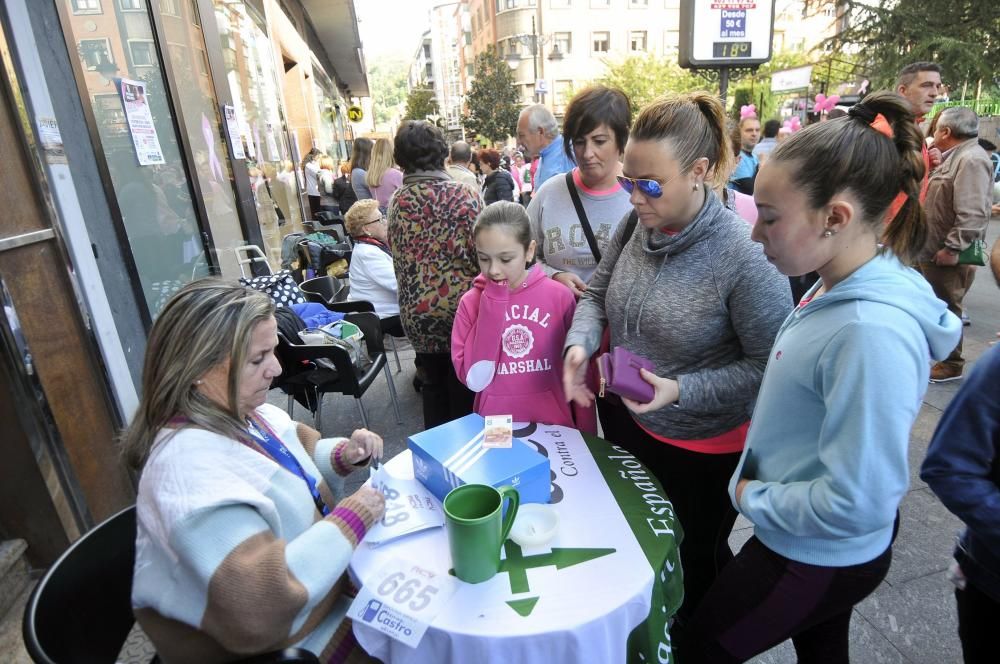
{"x":328,"y":455}
{"x":253,"y":590}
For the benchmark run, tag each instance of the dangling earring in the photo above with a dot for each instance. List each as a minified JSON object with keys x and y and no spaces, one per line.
{"x":695,"y":187}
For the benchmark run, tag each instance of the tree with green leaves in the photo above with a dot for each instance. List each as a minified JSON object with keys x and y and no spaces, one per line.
{"x":963,"y":36}
{"x":644,"y":78}
{"x":493,"y":100}
{"x":388,"y":87}
{"x":420,"y":104}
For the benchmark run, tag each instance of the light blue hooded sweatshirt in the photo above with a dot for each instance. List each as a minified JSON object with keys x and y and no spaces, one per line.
{"x":826,"y":451}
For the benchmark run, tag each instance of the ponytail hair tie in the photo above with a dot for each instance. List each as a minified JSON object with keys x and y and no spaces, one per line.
{"x":882,"y":126}
{"x":874,"y":120}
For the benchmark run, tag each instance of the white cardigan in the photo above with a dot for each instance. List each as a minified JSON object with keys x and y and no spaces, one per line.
{"x":373,"y":278}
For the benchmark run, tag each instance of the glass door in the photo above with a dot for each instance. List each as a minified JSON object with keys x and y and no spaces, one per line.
{"x":124,"y":84}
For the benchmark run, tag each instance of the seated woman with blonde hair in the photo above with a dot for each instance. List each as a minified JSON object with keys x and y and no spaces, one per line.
{"x":242,"y":544}
{"x":373,"y":277}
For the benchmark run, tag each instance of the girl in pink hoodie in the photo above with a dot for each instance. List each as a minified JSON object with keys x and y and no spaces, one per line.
{"x":507,"y":340}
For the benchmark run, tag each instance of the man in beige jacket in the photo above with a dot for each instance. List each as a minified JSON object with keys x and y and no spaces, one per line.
{"x":958,"y":201}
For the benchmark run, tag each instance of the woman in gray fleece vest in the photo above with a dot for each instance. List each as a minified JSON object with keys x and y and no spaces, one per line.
{"x":691,"y":292}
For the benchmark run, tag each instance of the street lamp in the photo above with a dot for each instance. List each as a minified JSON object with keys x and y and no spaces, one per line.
{"x":533,"y":42}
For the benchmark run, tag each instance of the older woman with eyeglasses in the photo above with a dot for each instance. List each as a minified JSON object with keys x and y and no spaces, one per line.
{"x":689,"y":291}
{"x":373,"y":276}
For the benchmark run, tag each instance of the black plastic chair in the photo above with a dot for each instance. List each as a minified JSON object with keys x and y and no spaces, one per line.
{"x":334,"y":292}
{"x":306,"y":380}
{"x":327,"y":290}
{"x":81,"y":610}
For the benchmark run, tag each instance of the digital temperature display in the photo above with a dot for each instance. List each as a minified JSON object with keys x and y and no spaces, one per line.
{"x":731,"y":49}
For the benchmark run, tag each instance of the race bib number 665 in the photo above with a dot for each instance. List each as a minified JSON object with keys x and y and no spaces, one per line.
{"x":402,"y":599}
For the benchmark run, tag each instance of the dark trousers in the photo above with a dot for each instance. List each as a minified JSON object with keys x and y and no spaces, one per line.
{"x":392,"y":325}
{"x":445,"y":398}
{"x":978,"y":620}
{"x":950,"y":284}
{"x":763,"y":598}
{"x":698,"y":486}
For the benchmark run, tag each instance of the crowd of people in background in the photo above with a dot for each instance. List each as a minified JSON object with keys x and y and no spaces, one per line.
{"x":768,"y":279}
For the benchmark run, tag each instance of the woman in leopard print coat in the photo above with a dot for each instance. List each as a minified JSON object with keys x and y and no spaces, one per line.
{"x":430,"y":233}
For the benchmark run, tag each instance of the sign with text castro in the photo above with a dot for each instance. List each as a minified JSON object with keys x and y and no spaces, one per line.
{"x":725,"y":33}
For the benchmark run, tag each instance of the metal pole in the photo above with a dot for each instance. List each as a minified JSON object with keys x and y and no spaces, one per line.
{"x":534,"y":55}
{"x":723,"y":83}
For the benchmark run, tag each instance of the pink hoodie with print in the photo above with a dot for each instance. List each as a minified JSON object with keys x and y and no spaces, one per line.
{"x":507,"y":348}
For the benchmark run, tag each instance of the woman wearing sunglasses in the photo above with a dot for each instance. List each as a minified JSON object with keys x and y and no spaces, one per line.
{"x":691,"y":292}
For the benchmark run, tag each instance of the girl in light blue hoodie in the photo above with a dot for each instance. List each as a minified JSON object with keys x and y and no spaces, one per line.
{"x":825,"y":462}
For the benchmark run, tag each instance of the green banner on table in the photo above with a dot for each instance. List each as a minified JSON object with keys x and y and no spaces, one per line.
{"x":650,"y":515}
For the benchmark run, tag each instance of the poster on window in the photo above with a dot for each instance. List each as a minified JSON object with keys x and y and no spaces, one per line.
{"x":233,"y":131}
{"x":140,"y":123}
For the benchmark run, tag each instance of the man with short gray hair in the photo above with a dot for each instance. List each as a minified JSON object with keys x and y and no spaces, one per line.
{"x":538,"y":135}
{"x":920,"y":84}
{"x":959,"y":195}
{"x":459,"y":161}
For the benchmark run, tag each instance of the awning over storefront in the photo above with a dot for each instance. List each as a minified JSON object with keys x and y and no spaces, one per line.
{"x":336,"y":24}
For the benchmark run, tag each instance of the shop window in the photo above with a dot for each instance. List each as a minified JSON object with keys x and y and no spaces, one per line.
{"x":132,"y":5}
{"x":600,"y":42}
{"x":197,"y":102}
{"x":86,"y":6}
{"x":137,"y":134}
{"x":142,"y":52}
{"x":253,"y":85}
{"x":95,"y":53}
{"x":637,"y":41}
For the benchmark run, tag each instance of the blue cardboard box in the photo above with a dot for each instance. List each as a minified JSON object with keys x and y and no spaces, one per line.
{"x":452,"y":454}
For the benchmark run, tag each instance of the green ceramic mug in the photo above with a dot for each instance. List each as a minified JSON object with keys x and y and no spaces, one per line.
{"x":477,"y":528}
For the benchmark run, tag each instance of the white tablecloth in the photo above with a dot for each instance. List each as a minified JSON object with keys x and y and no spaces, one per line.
{"x":578,"y":598}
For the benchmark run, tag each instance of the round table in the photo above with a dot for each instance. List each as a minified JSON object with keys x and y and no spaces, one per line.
{"x":603,"y":590}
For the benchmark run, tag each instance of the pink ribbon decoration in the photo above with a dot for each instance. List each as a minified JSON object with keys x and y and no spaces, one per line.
{"x":793,"y":124}
{"x":748,"y":111}
{"x":824,"y":104}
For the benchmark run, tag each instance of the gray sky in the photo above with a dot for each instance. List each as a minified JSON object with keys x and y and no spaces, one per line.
{"x":392,"y":28}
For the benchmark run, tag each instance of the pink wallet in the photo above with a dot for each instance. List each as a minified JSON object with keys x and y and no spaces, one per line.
{"x":619,"y":372}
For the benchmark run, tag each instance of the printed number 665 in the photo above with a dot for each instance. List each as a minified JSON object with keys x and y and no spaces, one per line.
{"x":405,"y":590}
